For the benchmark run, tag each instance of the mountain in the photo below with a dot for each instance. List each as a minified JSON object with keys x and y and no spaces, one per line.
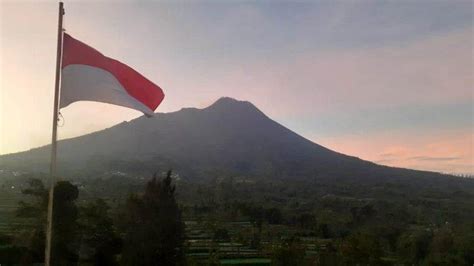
{"x":228,"y":138}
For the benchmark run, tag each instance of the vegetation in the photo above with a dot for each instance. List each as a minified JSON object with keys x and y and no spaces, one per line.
{"x":30,"y":240}
{"x":100,"y":240}
{"x":152,"y":226}
{"x":126,"y":220}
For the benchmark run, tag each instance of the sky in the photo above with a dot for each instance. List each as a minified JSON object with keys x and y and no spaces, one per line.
{"x":386,"y":81}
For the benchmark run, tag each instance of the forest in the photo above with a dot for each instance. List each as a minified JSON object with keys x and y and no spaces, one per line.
{"x":164,"y":219}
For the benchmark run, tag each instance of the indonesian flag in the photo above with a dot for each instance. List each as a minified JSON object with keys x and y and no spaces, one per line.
{"x":88,"y":75}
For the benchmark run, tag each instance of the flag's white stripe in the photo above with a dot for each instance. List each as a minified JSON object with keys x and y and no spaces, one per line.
{"x":87,"y":83}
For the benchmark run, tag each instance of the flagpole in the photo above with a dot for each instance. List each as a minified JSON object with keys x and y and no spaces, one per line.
{"x":52,"y":168}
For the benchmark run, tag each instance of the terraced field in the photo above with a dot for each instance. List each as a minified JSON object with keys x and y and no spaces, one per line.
{"x":202,"y":245}
{"x":9,"y":199}
{"x":236,"y":249}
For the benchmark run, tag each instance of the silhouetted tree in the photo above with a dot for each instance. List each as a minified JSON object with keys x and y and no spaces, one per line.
{"x":65,"y":243}
{"x":100,"y":241}
{"x":154,"y":230}
{"x":35,"y":211}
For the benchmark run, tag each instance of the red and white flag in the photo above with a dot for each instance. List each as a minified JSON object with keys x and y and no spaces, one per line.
{"x":88,"y":75}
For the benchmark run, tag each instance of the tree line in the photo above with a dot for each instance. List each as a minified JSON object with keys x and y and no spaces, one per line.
{"x":149,"y":232}
{"x":344,"y":223}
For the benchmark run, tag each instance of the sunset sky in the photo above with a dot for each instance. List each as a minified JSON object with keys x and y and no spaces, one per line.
{"x":387,"y":81}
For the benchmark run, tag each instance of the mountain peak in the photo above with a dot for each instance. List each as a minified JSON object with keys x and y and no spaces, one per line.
{"x":228,"y":101}
{"x":227,"y":105}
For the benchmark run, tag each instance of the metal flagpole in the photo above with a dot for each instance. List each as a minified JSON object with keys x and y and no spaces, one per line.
{"x":52,"y":168}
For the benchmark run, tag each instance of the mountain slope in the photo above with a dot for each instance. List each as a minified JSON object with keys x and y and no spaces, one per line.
{"x":229,"y":137}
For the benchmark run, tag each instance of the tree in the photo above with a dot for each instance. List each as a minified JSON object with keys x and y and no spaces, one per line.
{"x":100,"y":241}
{"x":414,"y":246}
{"x":154,"y":231}
{"x":444,"y":250}
{"x":35,"y":211}
{"x":65,"y":227}
{"x":64,"y":241}
{"x":361,"y":248}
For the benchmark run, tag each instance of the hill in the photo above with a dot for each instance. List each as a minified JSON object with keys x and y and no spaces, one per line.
{"x":228,"y":138}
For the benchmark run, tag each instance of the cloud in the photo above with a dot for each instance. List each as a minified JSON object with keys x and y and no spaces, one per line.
{"x":449,"y":151}
{"x":428,"y":158}
{"x":387,"y":155}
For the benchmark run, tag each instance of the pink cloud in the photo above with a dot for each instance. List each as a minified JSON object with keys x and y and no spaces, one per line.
{"x":447,"y":151}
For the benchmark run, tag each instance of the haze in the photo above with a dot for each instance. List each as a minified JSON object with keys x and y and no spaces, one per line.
{"x":387,"y":81}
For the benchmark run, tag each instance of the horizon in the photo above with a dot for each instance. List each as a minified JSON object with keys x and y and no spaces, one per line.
{"x":412,"y":71}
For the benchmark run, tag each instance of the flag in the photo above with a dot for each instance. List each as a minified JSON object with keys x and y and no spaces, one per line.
{"x":88,"y":75}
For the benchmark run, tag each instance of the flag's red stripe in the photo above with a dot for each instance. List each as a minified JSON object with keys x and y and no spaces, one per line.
{"x":76,"y":52}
